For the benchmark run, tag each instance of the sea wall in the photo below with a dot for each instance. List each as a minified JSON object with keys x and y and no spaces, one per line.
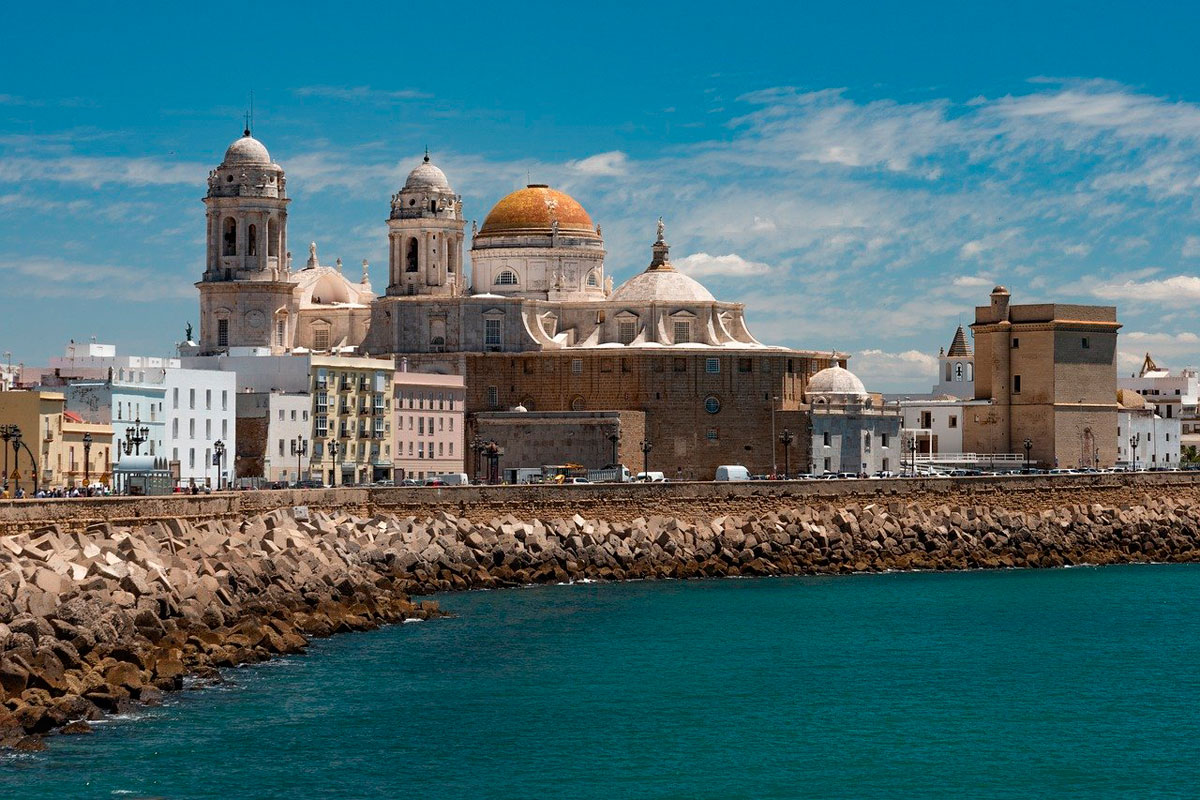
{"x":687,"y":500}
{"x":94,"y":617}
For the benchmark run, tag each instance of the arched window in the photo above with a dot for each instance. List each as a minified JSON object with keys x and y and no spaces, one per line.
{"x":949,"y":376}
{"x":958,"y":371}
{"x":593,"y":279}
{"x":229,"y":236}
{"x":410,"y":263}
{"x":433,"y":206}
{"x":506,"y":278}
{"x":272,"y":238}
{"x":970,"y":371}
{"x":252,"y":240}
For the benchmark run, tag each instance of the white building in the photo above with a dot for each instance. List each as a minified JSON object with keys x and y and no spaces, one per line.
{"x":187,"y":411}
{"x":1172,"y":396}
{"x":1145,"y":439}
{"x":286,"y":443}
{"x":202,"y":411}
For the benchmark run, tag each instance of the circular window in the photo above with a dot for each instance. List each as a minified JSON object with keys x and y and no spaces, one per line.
{"x":712,"y":404}
{"x":577,"y":404}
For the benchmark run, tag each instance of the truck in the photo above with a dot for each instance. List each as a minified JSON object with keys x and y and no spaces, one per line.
{"x":520,"y":475}
{"x":732,"y":472}
{"x":617,"y":474}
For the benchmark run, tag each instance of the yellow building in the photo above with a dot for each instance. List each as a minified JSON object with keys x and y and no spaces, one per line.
{"x":83,"y":461}
{"x":352,"y":431}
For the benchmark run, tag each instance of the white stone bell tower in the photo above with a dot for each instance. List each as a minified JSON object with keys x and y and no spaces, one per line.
{"x":425,"y":237}
{"x":247,"y":215}
{"x":245,"y":292}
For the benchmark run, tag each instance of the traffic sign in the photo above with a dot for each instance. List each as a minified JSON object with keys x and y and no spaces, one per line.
{"x":16,"y":475}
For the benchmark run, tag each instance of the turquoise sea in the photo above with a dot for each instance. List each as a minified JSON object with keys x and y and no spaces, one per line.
{"x":1057,"y":683}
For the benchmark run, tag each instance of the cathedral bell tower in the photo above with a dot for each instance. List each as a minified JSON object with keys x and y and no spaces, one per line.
{"x":245,"y":292}
{"x":425,"y":237}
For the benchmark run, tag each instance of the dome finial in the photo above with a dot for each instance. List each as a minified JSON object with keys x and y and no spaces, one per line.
{"x":661,"y":250}
{"x":426,"y":154}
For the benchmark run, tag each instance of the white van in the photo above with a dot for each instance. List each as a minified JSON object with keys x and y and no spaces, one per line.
{"x":455,"y":479}
{"x":650,"y":477}
{"x":732,"y":472}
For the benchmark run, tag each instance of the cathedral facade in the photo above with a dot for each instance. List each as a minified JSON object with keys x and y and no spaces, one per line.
{"x":535,"y":322}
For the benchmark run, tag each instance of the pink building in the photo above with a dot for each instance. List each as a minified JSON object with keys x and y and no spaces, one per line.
{"x":428,"y":434}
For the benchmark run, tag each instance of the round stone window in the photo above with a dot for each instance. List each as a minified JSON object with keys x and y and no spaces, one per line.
{"x":712,"y":404}
{"x":577,"y":404}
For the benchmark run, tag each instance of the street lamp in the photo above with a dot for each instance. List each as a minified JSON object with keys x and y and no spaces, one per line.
{"x":1096,"y":458}
{"x":8,"y":433}
{"x":647,"y":446}
{"x":1028,"y":449}
{"x":87,"y":459}
{"x":1134,"y":441}
{"x":912,"y":447}
{"x":299,"y":448}
{"x":774,"y":465}
{"x":334,"y":448}
{"x":787,"y":437}
{"x":218,"y":458}
{"x":136,"y":436}
{"x":615,"y":438}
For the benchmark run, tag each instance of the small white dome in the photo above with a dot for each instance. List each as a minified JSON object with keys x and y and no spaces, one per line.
{"x":247,"y":150}
{"x":836,"y":383}
{"x":427,"y":176}
{"x":662,"y":286}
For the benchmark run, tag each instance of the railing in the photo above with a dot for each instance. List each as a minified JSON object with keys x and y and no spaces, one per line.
{"x":968,"y":458}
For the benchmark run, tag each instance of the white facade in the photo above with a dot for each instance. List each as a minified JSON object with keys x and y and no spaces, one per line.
{"x":1157,"y":439}
{"x":201,"y":411}
{"x":936,"y":424}
{"x":287,"y":420}
{"x":186,"y":410}
{"x":1173,"y":396}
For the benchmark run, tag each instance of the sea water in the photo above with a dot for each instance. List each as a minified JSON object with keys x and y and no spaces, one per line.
{"x":1048,"y":683}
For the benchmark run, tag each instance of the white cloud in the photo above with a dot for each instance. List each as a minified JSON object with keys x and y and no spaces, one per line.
{"x":610,"y":163}
{"x":98,"y":171}
{"x":730,"y":265}
{"x":55,"y":277}
{"x":360,"y":93}
{"x":884,"y":371}
{"x":1181,"y":289}
{"x":973,"y":282}
{"x":1191,"y":247}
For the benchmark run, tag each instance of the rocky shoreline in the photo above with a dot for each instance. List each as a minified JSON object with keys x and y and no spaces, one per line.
{"x":94,"y":620}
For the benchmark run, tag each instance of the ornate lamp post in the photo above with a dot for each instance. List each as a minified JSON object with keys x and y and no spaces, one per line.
{"x":615,"y":438}
{"x":1028,"y":450}
{"x":912,"y":448}
{"x":218,"y":459}
{"x":87,"y":460}
{"x":136,"y":436}
{"x":1134,"y":441}
{"x":787,"y":437}
{"x":647,"y":446}
{"x":491,"y":451}
{"x":335,"y":447}
{"x":299,"y":448}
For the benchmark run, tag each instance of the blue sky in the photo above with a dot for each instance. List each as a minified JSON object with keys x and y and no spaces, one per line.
{"x":859,"y":175}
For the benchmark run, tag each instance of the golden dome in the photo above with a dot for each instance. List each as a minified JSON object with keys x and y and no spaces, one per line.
{"x":534,"y":209}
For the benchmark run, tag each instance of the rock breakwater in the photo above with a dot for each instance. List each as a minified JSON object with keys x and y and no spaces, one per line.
{"x":97,"y":619}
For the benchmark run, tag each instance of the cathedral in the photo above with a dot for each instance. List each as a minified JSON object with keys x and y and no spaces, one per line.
{"x":534,"y":322}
